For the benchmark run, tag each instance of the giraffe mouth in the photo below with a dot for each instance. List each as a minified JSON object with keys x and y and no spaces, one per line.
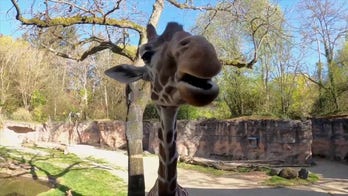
{"x":197,"y":91}
{"x":201,"y":83}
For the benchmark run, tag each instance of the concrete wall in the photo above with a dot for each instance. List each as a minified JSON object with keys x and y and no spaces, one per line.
{"x":330,"y":137}
{"x":284,"y":141}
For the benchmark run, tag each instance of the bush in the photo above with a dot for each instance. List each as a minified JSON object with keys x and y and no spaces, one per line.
{"x":38,"y":114}
{"x":22,"y":115}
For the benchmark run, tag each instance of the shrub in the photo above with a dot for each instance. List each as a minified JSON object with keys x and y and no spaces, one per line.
{"x":21,"y":114}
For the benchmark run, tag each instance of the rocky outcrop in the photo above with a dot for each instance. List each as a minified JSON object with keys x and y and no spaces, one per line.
{"x":330,"y":137}
{"x":285,"y":141}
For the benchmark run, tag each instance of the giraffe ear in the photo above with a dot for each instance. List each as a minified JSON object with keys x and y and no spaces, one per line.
{"x":127,"y":73}
{"x":151,"y":32}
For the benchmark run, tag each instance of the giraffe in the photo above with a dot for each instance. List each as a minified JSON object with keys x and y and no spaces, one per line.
{"x":180,"y":68}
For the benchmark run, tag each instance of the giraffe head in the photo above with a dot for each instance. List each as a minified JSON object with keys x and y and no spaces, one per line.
{"x":180,"y":67}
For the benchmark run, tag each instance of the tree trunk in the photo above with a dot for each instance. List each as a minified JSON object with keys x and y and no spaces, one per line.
{"x":138,"y":98}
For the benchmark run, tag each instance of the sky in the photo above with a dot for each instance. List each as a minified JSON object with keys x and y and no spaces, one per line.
{"x":11,"y":27}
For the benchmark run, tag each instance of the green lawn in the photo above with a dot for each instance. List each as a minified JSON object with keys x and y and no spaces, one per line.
{"x":69,"y":172}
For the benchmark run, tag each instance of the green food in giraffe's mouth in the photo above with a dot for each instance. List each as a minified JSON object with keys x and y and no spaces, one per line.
{"x":197,"y":82}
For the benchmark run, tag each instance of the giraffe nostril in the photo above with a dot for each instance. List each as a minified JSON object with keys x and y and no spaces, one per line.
{"x":184,"y":42}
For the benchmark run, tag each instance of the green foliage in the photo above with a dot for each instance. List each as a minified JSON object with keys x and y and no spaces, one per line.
{"x":188,"y":112}
{"x":325,"y":102}
{"x":38,"y":99}
{"x":39,"y":114}
{"x":22,"y":114}
{"x":150,"y":112}
{"x":240,"y":92}
{"x":279,"y":181}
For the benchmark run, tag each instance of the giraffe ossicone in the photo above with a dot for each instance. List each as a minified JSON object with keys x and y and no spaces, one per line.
{"x":180,"y":67}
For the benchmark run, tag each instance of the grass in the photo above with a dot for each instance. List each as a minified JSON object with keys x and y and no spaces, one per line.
{"x":206,"y":170}
{"x":69,"y":172}
{"x":218,"y":172}
{"x":280,"y":182}
{"x":96,"y":160}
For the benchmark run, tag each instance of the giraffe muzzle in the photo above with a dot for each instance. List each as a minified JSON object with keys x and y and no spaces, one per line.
{"x":197,"y":91}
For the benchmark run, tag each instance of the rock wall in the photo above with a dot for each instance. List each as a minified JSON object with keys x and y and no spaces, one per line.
{"x":283,"y":141}
{"x":286,"y":141}
{"x":107,"y":134}
{"x":17,"y":133}
{"x":330,"y":137}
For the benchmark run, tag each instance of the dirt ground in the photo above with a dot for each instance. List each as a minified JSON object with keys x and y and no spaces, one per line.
{"x":334,"y":179}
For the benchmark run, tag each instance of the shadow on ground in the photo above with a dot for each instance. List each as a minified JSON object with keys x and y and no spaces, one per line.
{"x":256,"y":192}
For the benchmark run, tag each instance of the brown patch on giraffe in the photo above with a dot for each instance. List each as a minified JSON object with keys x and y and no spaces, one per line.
{"x":172,"y":150}
{"x":157,"y":87}
{"x":173,"y":185}
{"x":169,"y":89}
{"x":161,"y":188}
{"x":170,"y":136}
{"x":175,"y":135}
{"x":154,"y":96}
{"x":160,"y":134}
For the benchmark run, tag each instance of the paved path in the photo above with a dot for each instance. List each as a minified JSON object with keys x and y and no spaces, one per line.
{"x":334,"y":177}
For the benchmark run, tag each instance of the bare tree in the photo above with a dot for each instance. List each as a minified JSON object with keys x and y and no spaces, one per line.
{"x":253,"y":23}
{"x":325,"y":25}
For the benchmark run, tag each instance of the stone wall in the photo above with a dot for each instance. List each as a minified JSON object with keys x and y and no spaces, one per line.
{"x":108,"y":134}
{"x":283,"y":141}
{"x":287,"y":141}
{"x":330,"y":137}
{"x":17,"y":133}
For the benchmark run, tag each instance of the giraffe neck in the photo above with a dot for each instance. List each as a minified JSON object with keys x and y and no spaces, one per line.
{"x":168,"y":156}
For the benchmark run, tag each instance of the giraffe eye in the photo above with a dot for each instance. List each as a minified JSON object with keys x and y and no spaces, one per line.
{"x":147,"y":56}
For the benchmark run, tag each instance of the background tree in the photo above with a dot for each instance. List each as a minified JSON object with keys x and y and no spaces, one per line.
{"x":86,"y":17}
{"x":23,"y":76}
{"x":325,"y":23}
{"x":247,"y":30}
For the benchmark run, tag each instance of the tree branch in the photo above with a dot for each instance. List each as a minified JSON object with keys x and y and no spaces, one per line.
{"x":313,"y":80}
{"x":73,"y":5}
{"x":64,"y":55}
{"x":238,"y":63}
{"x":77,"y":19}
{"x":200,"y":8}
{"x":156,"y":12}
{"x":109,"y":45}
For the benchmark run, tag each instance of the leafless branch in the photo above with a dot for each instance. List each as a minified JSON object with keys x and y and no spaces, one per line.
{"x":64,"y":55}
{"x":77,"y":19}
{"x":201,"y":8}
{"x":116,"y":7}
{"x":314,"y":81}
{"x":73,"y":5}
